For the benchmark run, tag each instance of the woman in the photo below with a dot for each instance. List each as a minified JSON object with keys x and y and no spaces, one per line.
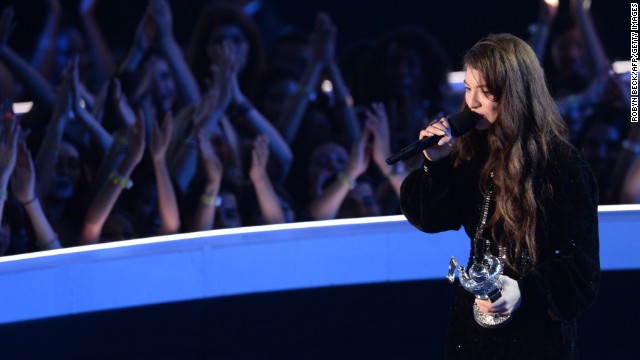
{"x":541,"y":217}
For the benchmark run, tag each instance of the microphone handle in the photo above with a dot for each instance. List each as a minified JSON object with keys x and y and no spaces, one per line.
{"x":412,"y":149}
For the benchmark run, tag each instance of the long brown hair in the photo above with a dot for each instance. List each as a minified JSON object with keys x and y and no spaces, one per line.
{"x":517,"y":145}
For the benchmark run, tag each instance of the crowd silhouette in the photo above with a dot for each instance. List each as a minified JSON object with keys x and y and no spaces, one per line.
{"x":253,"y":121}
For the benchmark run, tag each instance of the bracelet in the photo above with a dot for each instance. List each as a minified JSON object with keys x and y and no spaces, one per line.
{"x":121,"y":139}
{"x":208,"y":200}
{"x":344,"y":178}
{"x":120,"y":181}
{"x":34,"y":199}
{"x":633,"y":146}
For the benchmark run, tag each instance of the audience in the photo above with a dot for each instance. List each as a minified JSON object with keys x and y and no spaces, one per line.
{"x":167,"y":137}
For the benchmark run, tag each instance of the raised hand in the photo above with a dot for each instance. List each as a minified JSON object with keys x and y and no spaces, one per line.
{"x":323,"y":39}
{"x":63,"y":106}
{"x":8,"y":147}
{"x":360,"y":156}
{"x":145,"y":32}
{"x":549,"y":9}
{"x":378,"y":124}
{"x":210,"y":161}
{"x":23,"y":180}
{"x":122,"y":106}
{"x":136,"y":139}
{"x":160,"y":138}
{"x":160,"y":11}
{"x":259,"y":158}
{"x":220,"y":89}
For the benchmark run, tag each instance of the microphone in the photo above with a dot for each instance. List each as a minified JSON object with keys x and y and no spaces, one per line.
{"x":460,"y":123}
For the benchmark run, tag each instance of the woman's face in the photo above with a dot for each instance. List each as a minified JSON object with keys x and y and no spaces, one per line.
{"x":568,"y":53}
{"x":67,"y":172}
{"x":227,"y":213}
{"x":479,"y":99}
{"x":402,"y":72}
{"x":600,"y":148}
{"x":360,"y":202}
{"x":276,"y":100}
{"x":234,"y":35}
{"x":163,"y":84}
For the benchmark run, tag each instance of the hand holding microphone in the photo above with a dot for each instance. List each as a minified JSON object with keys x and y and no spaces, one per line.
{"x":441,"y":129}
{"x":436,"y":139}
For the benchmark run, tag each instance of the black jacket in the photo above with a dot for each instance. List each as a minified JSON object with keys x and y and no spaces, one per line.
{"x":563,"y":283}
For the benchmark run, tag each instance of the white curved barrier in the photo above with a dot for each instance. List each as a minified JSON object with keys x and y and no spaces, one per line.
{"x":253,"y":259}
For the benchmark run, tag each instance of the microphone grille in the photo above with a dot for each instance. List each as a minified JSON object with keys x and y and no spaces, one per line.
{"x":463,"y":122}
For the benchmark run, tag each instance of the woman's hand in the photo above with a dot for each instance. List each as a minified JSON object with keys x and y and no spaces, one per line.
{"x":323,"y":39}
{"x":259,"y":158}
{"x":160,"y":11}
{"x":160,"y":138}
{"x":23,"y":181}
{"x":445,"y":145}
{"x":378,"y":124}
{"x":8,"y":147}
{"x":360,"y":156}
{"x":211,"y":162}
{"x":136,"y":139}
{"x":508,"y":303}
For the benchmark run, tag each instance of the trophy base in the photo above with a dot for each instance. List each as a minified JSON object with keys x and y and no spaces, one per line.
{"x":488,"y":321}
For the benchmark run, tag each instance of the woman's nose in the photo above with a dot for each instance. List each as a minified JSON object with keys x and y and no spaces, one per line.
{"x":473,"y":100}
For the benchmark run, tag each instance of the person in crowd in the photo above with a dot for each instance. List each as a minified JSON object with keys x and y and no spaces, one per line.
{"x":225,"y":26}
{"x":524,"y":196}
{"x":16,"y":165}
{"x":600,"y":143}
{"x":407,"y":72}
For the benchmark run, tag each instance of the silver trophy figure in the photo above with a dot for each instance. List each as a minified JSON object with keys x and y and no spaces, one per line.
{"x":482,"y":281}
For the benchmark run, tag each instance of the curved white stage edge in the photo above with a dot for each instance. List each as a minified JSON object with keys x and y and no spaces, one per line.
{"x":253,"y":259}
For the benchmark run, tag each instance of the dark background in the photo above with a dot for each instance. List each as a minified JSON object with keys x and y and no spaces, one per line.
{"x":457,"y":24}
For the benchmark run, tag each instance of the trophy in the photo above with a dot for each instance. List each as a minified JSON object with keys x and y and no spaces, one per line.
{"x":482,"y":281}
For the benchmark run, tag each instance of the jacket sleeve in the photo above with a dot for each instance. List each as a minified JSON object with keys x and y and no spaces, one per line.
{"x":567,"y":282}
{"x":429,"y":200}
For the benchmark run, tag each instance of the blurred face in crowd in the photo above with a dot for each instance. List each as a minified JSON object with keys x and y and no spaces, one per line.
{"x":402,"y":72}
{"x":479,"y":99}
{"x":234,"y":35}
{"x":67,"y":172}
{"x":69,"y":44}
{"x":276,"y":99}
{"x":117,"y":227}
{"x":227,"y":213}
{"x":326,"y":161}
{"x":600,"y":148}
{"x":569,"y":55}
{"x":162,"y":82}
{"x":360,"y":202}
